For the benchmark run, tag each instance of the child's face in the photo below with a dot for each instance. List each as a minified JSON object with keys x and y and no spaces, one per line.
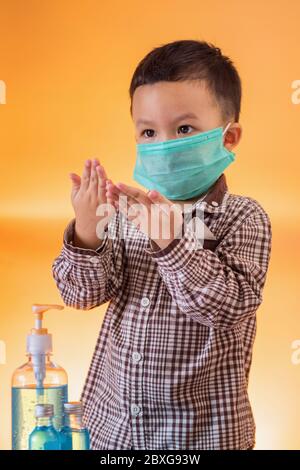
{"x":158,"y":109}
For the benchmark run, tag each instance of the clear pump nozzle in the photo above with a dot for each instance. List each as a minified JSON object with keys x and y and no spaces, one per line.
{"x":39,"y":342}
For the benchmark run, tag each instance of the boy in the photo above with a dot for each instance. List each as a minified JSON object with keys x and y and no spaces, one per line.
{"x":171,"y":365}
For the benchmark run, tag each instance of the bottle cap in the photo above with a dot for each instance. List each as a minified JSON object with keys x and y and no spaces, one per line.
{"x":73,"y":408}
{"x":44,"y":410}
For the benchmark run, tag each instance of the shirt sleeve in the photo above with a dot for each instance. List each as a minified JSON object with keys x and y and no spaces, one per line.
{"x":224,"y":287}
{"x":87,"y":278}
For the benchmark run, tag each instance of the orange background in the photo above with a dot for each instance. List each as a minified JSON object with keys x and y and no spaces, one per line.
{"x":67,"y":66}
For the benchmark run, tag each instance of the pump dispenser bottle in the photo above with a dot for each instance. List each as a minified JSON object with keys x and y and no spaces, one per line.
{"x":38,"y":381}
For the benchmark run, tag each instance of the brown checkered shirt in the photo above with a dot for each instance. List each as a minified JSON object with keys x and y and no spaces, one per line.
{"x":171,"y":365}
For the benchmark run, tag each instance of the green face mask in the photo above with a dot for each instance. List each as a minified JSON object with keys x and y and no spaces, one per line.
{"x":183,"y":168}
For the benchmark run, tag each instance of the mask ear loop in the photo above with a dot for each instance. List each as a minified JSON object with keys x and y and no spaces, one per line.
{"x":226,"y":128}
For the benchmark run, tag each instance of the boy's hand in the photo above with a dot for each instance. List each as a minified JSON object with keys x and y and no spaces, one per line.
{"x":164,"y":224}
{"x":87,"y":193}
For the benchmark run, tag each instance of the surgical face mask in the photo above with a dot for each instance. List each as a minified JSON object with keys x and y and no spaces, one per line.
{"x":183,"y":168}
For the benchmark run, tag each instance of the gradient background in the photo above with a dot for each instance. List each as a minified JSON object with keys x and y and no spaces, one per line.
{"x":67,"y":66}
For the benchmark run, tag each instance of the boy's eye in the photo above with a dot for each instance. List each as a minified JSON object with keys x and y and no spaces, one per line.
{"x":149,"y":131}
{"x":184,"y":126}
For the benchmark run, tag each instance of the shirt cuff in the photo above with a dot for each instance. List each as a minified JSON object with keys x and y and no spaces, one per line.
{"x":73,"y":252}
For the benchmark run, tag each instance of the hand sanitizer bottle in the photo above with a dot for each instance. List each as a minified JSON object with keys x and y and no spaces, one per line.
{"x":44,"y":436}
{"x":74,"y":436}
{"x":38,"y":381}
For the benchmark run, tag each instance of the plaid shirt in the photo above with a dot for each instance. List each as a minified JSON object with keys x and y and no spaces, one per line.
{"x":171,"y":365}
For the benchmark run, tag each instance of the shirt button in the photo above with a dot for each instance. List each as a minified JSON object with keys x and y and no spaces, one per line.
{"x":136,"y":356}
{"x":135,"y":409}
{"x":94,"y":260}
{"x":145,"y":301}
{"x":214,"y":203}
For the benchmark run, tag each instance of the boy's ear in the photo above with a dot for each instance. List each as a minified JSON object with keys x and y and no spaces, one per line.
{"x":233,"y":136}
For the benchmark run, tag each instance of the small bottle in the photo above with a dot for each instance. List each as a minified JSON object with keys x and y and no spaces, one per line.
{"x":73,"y":435}
{"x":44,"y":436}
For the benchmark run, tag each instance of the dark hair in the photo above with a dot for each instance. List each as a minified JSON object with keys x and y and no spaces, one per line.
{"x":189,"y":60}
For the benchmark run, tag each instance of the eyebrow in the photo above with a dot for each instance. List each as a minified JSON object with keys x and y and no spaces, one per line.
{"x":178,"y":118}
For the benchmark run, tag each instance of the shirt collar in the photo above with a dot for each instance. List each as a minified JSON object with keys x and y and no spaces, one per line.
{"x":215,"y":199}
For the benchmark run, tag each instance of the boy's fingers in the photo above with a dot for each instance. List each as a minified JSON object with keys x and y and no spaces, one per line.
{"x":124,"y":199}
{"x":86,"y":175}
{"x":101,"y":172}
{"x":111,"y":194}
{"x":101,"y":183}
{"x":93,"y":176}
{"x":111,"y":199}
{"x":112,"y":190}
{"x":134,"y":193}
{"x":76,"y":180}
{"x":76,"y":183}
